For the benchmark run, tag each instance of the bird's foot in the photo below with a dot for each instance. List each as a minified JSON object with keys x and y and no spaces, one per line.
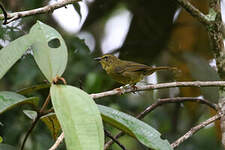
{"x":134,"y":88}
{"x":131,"y":86}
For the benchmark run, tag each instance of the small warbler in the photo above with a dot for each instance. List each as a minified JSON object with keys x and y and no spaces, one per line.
{"x":127,"y":72}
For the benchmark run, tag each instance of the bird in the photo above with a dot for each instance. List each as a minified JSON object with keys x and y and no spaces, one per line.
{"x":127,"y":72}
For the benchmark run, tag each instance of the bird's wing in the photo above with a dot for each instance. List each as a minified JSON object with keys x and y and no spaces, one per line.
{"x":130,"y":67}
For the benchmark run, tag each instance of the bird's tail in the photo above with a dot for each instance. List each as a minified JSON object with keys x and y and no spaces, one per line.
{"x":154,"y":69}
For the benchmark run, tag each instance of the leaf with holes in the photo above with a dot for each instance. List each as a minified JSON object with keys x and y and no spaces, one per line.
{"x":77,"y":8}
{"x":79,"y":118}
{"x":50,"y":52}
{"x":10,"y":54}
{"x":147,"y":135}
{"x":12,"y":99}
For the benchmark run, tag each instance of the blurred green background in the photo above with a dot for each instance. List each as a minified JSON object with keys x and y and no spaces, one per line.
{"x":157,"y":33}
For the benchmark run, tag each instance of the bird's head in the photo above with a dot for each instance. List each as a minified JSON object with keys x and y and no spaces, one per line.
{"x":107,"y":61}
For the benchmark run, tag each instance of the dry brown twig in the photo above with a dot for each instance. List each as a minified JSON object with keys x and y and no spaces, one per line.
{"x":194,"y":130}
{"x":161,"y":86}
{"x":165,"y":101}
{"x":42,"y":10}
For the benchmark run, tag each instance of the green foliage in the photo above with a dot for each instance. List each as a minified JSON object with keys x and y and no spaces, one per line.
{"x":51,"y":61}
{"x":134,"y":127}
{"x":79,"y":118}
{"x":10,"y":54}
{"x":11,"y":99}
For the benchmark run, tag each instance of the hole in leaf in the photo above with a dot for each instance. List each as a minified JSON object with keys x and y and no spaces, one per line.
{"x":54,"y":43}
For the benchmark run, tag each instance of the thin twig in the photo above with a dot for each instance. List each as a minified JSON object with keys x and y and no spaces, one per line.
{"x":49,"y":8}
{"x":161,"y":102}
{"x":155,"y":86}
{"x":58,"y":141}
{"x":29,"y":131}
{"x":194,"y":130}
{"x":45,"y":104}
{"x":192,"y":10}
{"x":39,"y":115}
{"x":175,"y":100}
{"x":115,"y":140}
{"x":160,"y":86}
{"x":4,"y":13}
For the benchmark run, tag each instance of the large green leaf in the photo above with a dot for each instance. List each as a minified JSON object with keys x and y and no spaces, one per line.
{"x":147,"y":135}
{"x":12,"y":99}
{"x":50,"y":52}
{"x":79,"y":118}
{"x":13,"y":52}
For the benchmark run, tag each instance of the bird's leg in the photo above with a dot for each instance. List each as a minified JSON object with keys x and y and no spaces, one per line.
{"x":133,"y":86}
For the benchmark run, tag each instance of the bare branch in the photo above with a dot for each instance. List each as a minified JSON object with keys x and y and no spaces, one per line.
{"x":161,"y":102}
{"x":194,"y":130}
{"x":175,"y":100}
{"x":192,"y":10}
{"x":58,"y":141}
{"x":160,"y":86}
{"x":49,"y":8}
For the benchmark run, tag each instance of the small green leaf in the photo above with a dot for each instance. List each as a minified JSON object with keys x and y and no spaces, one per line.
{"x":30,"y":114}
{"x":10,"y":54}
{"x":52,"y":123}
{"x":12,"y":99}
{"x":33,"y":88}
{"x":147,"y":135}
{"x":79,"y":118}
{"x":50,"y":52}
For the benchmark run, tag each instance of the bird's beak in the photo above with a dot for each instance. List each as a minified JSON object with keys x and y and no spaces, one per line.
{"x":98,"y":58}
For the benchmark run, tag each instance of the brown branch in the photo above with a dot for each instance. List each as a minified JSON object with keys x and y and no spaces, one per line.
{"x":58,"y":141}
{"x":160,"y":86}
{"x":194,"y":130}
{"x":161,"y":102}
{"x":175,"y":100}
{"x":45,"y":104}
{"x":42,"y":10}
{"x":192,"y":10}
